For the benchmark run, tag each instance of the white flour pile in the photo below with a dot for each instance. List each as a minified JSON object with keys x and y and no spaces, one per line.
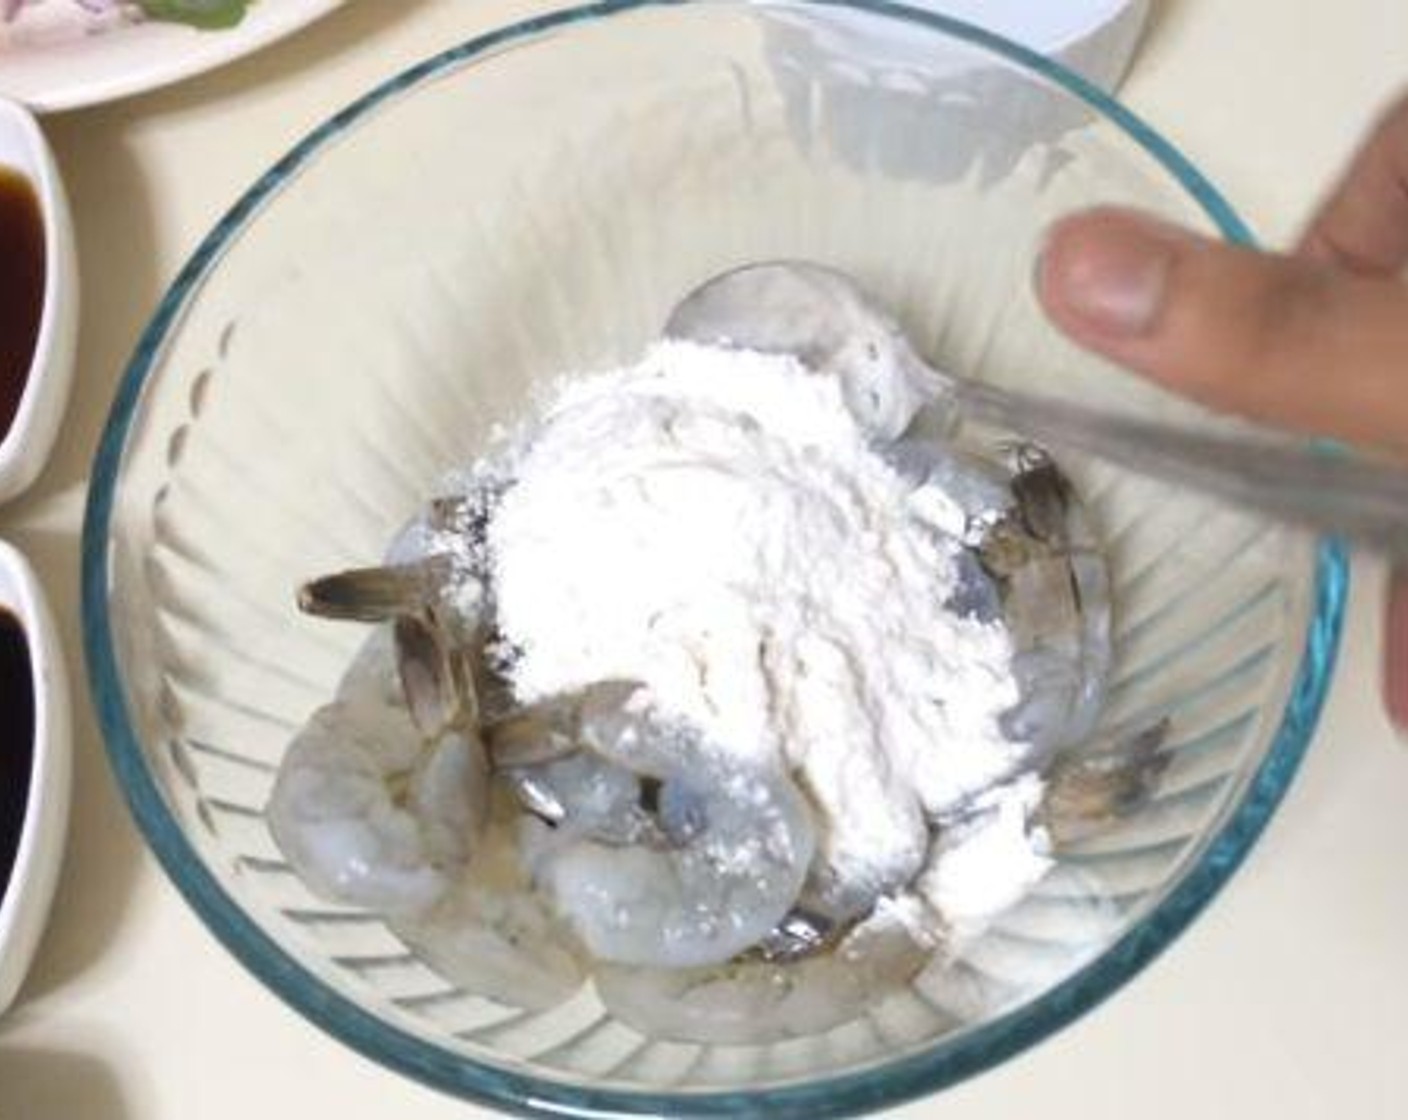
{"x":717,"y":525}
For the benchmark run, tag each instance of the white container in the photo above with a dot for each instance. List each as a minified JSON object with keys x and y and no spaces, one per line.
{"x":848,"y":79}
{"x":24,"y":907}
{"x":26,"y":446}
{"x":1095,"y":38}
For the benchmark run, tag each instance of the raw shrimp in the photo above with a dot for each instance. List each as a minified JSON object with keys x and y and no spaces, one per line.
{"x":1019,"y":823}
{"x":421,"y":573}
{"x":656,"y":851}
{"x":1000,"y":827}
{"x":373,"y":813}
{"x":494,"y":935}
{"x":368,"y":811}
{"x":753,"y":999}
{"x":692,"y":882}
{"x":434,"y":587}
{"x":384,"y":790}
{"x":504,"y":945}
{"x":1032,"y":562}
{"x":1087,"y":792}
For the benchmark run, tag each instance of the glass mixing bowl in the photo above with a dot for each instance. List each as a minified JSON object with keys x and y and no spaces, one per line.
{"x":533,"y":202}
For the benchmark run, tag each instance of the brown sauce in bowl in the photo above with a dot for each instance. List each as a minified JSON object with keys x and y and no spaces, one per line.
{"x":22,"y":268}
{"x":16,"y":739}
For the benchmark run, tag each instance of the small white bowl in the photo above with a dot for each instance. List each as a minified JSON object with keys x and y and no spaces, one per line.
{"x":841,"y":70}
{"x":24,"y":906}
{"x":1094,"y":37}
{"x":26,"y":446}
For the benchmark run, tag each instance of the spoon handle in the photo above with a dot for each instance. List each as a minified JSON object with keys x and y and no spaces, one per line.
{"x":1315,"y":488}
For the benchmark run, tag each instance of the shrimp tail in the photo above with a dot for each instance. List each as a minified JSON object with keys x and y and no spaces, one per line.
{"x":374,"y":594}
{"x":1087,"y":793}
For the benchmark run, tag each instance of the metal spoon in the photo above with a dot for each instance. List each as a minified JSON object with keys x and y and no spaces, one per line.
{"x":824,"y":318}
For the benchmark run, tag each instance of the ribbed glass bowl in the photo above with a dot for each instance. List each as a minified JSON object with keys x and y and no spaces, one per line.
{"x":533,"y":202}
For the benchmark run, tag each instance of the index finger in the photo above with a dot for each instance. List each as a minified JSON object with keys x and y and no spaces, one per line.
{"x":1363,"y":226}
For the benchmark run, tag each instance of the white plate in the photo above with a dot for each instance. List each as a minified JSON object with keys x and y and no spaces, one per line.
{"x":51,"y":67}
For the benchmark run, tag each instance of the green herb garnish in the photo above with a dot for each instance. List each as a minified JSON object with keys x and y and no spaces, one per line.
{"x":208,"y":15}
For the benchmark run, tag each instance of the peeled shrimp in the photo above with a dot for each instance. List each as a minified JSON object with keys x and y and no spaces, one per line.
{"x":1088,"y":792}
{"x":439,"y":601}
{"x":504,"y":945}
{"x":1029,"y":563}
{"x":494,"y":935}
{"x":420,"y":572}
{"x":1033,"y":562}
{"x":369,"y":812}
{"x":753,"y":1000}
{"x":384,"y":791}
{"x":372,"y":813}
{"x":657,"y":851}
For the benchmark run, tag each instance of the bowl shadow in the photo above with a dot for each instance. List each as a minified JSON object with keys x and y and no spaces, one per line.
{"x":1162,"y":15}
{"x":39,"y":1083}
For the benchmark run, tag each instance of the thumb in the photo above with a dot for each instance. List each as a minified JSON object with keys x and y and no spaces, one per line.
{"x":1279,"y":339}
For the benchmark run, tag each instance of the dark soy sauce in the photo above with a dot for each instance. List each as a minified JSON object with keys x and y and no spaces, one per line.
{"x":21,"y":288}
{"x":16,"y":739}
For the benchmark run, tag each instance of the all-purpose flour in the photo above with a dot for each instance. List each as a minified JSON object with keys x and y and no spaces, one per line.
{"x":717,"y":525}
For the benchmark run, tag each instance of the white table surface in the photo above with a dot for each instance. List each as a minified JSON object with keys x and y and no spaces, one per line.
{"x":1288,"y":999}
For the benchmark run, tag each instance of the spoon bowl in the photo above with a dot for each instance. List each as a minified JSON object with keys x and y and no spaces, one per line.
{"x":827,"y":320}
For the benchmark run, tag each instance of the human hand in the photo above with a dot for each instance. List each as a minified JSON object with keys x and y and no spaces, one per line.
{"x":1316,"y":340}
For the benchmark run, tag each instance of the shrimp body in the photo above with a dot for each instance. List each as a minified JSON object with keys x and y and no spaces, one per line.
{"x":369,"y":811}
{"x":655,"y":849}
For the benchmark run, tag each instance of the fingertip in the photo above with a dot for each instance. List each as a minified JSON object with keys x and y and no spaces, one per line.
{"x":1103,"y":275}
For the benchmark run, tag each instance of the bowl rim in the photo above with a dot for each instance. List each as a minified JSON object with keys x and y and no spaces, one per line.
{"x":893,"y":1082}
